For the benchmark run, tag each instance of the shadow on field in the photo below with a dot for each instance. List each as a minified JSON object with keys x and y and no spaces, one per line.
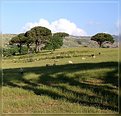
{"x":103,"y":96}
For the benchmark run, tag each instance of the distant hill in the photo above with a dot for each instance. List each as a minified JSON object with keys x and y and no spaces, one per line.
{"x":6,"y":38}
{"x":76,"y":41}
{"x":116,"y":37}
{"x":8,"y":35}
{"x":71,"y":41}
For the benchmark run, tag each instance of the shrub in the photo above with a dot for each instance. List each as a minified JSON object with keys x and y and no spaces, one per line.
{"x":12,"y":50}
{"x":24,"y":50}
{"x":55,"y":43}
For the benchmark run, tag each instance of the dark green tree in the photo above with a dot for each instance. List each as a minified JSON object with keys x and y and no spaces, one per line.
{"x":29,"y":39}
{"x":39,"y":35}
{"x":56,"y":41}
{"x":61,"y":34}
{"x":12,"y":50}
{"x":19,"y":40}
{"x":102,"y":37}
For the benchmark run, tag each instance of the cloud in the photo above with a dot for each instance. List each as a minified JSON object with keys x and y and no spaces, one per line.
{"x":61,"y":25}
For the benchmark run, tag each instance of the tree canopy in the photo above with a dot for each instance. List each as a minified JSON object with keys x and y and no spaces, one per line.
{"x":20,"y":39}
{"x":39,"y":35}
{"x":102,"y":37}
{"x":61,"y":34}
{"x":56,"y":41}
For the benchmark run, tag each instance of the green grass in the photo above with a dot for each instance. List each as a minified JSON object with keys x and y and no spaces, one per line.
{"x":86,"y":86}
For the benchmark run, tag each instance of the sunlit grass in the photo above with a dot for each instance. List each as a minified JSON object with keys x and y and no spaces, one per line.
{"x":88,"y":85}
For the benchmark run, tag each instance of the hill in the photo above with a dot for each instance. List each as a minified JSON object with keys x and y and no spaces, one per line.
{"x":71,"y":41}
{"x":6,"y":38}
{"x":77,"y":41}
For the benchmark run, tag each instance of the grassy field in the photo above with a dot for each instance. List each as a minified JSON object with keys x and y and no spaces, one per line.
{"x":50,"y":84}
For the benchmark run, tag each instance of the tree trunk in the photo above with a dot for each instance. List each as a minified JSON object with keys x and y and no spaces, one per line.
{"x":38,"y":45}
{"x":100,"y":44}
{"x":37,"y":48}
{"x":28,"y":46}
{"x":20,"y":48}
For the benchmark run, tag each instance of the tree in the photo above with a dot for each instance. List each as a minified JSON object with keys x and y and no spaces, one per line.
{"x":39,"y":35}
{"x":12,"y":50}
{"x":61,"y":34}
{"x":30,"y":40}
{"x":102,"y":37}
{"x":20,"y":39}
{"x":56,"y":41}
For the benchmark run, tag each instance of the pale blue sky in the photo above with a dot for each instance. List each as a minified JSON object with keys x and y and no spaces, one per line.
{"x":90,"y":16}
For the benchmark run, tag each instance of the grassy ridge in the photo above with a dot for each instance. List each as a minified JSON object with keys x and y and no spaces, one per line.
{"x":71,"y":41}
{"x":88,"y":85}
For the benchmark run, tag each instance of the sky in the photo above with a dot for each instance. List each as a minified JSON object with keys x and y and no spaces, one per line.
{"x":76,"y":17}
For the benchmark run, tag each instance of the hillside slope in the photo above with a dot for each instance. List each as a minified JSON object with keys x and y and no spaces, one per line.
{"x":71,"y":41}
{"x":6,"y":38}
{"x":75,"y":41}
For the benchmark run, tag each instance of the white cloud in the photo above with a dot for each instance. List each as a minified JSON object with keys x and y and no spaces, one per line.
{"x":61,"y":25}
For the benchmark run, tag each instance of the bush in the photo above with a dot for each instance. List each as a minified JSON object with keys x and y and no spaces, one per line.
{"x":24,"y":50}
{"x":12,"y":50}
{"x":55,"y":43}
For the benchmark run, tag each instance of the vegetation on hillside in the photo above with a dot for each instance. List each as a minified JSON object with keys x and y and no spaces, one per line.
{"x":69,"y":41}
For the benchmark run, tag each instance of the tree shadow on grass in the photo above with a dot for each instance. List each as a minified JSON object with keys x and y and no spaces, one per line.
{"x":106,"y":99}
{"x":100,"y":91}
